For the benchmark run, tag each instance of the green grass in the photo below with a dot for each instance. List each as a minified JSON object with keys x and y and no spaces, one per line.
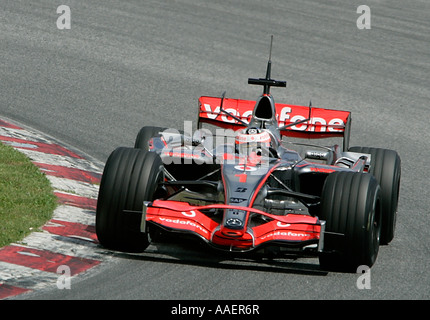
{"x":27,"y":200}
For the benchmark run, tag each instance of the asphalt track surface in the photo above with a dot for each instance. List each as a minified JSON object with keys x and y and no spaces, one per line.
{"x":125,"y":64}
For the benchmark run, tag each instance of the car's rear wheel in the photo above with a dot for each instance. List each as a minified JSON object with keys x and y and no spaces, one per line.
{"x":351,"y":207}
{"x":145,"y":134}
{"x":386,"y":167}
{"x":130,"y":177}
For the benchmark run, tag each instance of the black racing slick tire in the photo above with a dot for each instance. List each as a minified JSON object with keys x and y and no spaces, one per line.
{"x":144,"y":135}
{"x":130,"y":177}
{"x":351,"y":208}
{"x":386,"y":167}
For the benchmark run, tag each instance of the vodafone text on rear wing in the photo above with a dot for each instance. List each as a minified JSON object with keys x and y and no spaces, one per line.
{"x":321,"y":123}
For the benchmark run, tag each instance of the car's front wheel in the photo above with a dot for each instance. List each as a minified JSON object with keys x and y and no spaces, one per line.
{"x":130,"y":177}
{"x":351,"y":207}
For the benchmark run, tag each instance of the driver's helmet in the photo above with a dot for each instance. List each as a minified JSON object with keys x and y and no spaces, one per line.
{"x":252,"y":140}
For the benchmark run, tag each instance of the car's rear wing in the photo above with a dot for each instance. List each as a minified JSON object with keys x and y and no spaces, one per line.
{"x":322,"y":123}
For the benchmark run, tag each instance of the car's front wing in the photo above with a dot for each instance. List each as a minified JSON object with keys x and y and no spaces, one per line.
{"x":291,"y":230}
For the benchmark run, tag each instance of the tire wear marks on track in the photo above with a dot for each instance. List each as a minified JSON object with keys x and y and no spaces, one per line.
{"x":71,"y":229}
{"x":7,"y":290}
{"x":51,"y":148}
{"x":44,"y":260}
{"x":76,"y":201}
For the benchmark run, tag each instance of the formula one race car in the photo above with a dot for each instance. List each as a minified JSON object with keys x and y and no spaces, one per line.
{"x":241,"y":190}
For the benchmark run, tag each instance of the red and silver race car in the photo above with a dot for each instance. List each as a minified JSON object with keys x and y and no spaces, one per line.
{"x":241,"y":189}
